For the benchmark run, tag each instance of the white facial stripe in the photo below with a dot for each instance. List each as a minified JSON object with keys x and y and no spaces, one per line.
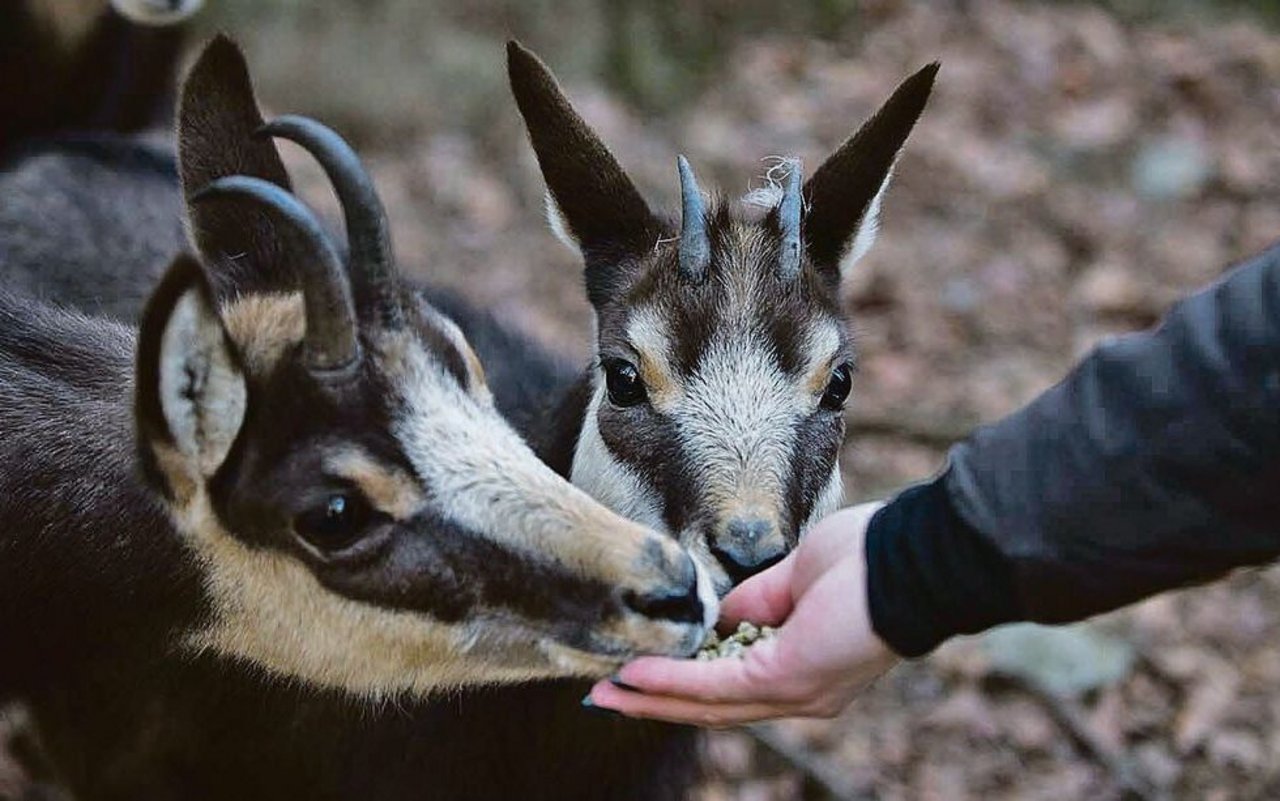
{"x":821,"y":344}
{"x":647,"y":334}
{"x":737,"y":421}
{"x":483,"y":476}
{"x":478,"y":469}
{"x":388,"y":488}
{"x":831,"y":499}
{"x":598,"y":473}
{"x":743,"y":280}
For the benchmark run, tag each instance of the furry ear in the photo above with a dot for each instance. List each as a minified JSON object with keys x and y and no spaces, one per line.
{"x":591,"y":201}
{"x":218,"y":118}
{"x":844,"y":194}
{"x":191,"y":392}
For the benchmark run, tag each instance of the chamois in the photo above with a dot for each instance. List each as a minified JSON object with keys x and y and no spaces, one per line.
{"x":68,"y":65}
{"x":308,"y":485}
{"x":713,"y":405}
{"x":545,"y":746}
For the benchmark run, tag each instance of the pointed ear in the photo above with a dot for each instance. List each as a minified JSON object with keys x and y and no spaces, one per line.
{"x":844,"y":194}
{"x":217,"y":119}
{"x":190,"y":388}
{"x":591,"y":201}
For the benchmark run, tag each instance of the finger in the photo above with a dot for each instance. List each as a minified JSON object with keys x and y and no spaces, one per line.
{"x":765,"y":598}
{"x":830,"y":540}
{"x":750,"y":678}
{"x":714,"y":681}
{"x":681,"y":710}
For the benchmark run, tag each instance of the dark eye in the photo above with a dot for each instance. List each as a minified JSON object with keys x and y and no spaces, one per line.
{"x":623,"y":382}
{"x":838,"y":386}
{"x":335,"y":523}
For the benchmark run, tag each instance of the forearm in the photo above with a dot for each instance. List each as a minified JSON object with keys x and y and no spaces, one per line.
{"x":1154,"y":464}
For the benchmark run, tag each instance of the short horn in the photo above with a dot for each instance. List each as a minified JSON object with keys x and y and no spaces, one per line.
{"x":789,"y":212}
{"x":695,"y":244}
{"x":368,"y":233}
{"x":331,"y":344}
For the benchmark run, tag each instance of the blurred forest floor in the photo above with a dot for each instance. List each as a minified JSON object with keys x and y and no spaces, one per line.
{"x":1078,"y":168}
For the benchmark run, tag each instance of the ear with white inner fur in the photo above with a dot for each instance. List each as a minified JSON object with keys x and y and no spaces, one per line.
{"x":592,"y":204}
{"x":191,"y":392}
{"x":555,"y":221}
{"x":843,"y":197}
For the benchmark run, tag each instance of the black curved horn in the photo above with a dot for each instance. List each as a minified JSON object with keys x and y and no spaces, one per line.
{"x":789,"y":211}
{"x":695,"y":244}
{"x":331,"y":343}
{"x":368,"y":233}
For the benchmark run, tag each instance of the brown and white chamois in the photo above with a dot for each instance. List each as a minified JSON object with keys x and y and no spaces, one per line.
{"x":713,"y":406}
{"x":309,"y":485}
{"x":256,"y":739}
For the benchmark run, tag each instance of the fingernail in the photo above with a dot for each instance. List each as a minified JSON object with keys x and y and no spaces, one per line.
{"x":591,"y":707}
{"x":622,"y":685}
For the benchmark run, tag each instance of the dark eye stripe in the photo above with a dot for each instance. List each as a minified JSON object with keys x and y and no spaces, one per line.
{"x":649,"y":443}
{"x":817,"y":450}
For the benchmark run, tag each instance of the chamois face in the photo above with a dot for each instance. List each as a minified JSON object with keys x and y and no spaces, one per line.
{"x":364,"y":517}
{"x":717,"y":409}
{"x":723,"y":364}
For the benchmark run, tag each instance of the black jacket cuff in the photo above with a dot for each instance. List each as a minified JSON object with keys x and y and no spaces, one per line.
{"x":930,"y":575}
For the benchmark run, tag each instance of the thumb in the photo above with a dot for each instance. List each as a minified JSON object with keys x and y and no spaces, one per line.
{"x":765,"y":598}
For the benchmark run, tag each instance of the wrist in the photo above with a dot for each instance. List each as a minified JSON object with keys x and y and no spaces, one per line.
{"x":930,"y":575}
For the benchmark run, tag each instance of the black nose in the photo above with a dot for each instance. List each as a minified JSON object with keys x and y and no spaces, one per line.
{"x":679,"y":602}
{"x":748,"y":547}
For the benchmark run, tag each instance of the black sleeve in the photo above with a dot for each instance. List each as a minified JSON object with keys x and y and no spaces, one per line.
{"x":1154,"y":464}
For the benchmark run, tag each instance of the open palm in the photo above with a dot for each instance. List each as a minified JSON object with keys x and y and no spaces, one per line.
{"x":823,"y":654}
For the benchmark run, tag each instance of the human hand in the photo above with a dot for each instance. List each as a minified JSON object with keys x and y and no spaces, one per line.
{"x":823,"y":654}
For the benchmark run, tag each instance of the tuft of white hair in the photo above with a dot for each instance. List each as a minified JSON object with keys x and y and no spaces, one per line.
{"x":768,"y":197}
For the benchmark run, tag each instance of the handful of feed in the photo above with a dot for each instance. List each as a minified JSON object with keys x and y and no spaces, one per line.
{"x":734,"y":644}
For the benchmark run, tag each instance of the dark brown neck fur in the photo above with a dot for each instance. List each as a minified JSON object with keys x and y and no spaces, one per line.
{"x":93,"y":578}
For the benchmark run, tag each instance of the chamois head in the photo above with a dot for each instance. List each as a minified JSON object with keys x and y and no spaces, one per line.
{"x":723,"y":361}
{"x":328,"y":447}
